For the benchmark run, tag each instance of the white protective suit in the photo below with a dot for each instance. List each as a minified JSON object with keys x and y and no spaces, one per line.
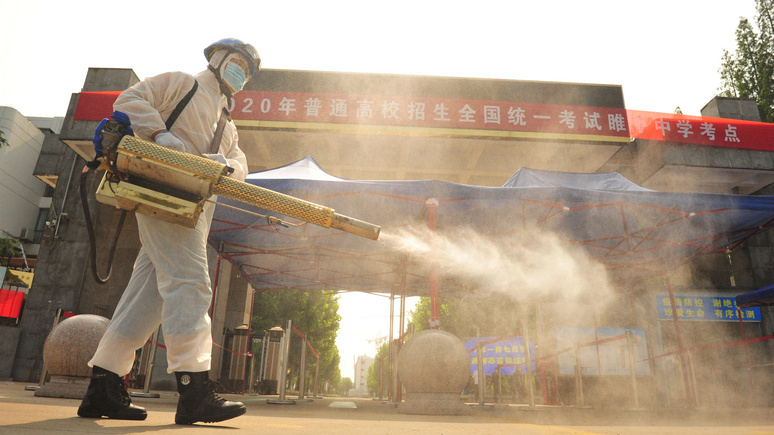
{"x":170,"y":284}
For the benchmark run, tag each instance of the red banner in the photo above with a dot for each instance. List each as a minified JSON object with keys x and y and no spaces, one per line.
{"x":719,"y":132}
{"x":325,"y":108}
{"x":380,"y":110}
{"x":10,"y":303}
{"x":95,"y":106}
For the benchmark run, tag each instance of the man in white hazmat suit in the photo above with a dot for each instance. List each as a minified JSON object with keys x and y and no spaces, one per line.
{"x":170,"y":284}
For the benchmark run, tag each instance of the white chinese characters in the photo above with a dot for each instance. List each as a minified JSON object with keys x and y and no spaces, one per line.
{"x":433,"y":112}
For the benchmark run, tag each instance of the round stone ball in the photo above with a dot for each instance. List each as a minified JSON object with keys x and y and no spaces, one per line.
{"x":434,"y":361}
{"x":72,"y":343}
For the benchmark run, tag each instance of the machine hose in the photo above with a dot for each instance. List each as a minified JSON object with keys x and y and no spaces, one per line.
{"x":92,"y":237}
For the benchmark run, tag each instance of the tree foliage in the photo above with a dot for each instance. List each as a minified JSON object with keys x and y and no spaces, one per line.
{"x":314,"y":314}
{"x":3,"y":140}
{"x":420,"y":315}
{"x":749,"y":71}
{"x":8,"y":248}
{"x":345,"y":385}
{"x":495,"y":315}
{"x":375,"y":376}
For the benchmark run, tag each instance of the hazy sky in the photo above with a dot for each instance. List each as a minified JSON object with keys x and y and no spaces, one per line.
{"x":665,"y":53}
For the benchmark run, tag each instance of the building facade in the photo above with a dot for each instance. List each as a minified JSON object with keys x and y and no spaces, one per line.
{"x":470,"y":131}
{"x":26,"y":211}
{"x":362,"y":364}
{"x":26,"y":199}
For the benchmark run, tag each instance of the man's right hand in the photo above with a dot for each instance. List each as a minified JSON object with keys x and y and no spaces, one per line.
{"x":169,"y":140}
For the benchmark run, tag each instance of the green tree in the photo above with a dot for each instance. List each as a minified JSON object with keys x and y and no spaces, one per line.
{"x":344,"y":386}
{"x":494,"y":315}
{"x":749,"y":71}
{"x":7,"y":250}
{"x":420,"y":315}
{"x":375,"y":375}
{"x":312,"y":313}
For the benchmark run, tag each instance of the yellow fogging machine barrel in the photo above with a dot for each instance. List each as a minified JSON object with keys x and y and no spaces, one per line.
{"x":201,"y":177}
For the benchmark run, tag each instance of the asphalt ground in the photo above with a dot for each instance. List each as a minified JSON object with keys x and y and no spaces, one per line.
{"x":23,"y":413}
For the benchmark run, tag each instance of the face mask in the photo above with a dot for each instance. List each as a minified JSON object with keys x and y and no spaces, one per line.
{"x":234,"y":76}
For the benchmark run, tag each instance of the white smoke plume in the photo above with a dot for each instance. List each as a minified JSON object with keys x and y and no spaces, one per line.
{"x":533,"y":266}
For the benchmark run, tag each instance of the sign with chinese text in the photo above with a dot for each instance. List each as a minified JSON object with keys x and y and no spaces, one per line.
{"x":698,"y":130}
{"x":713,"y":308}
{"x":612,"y":356}
{"x":457,"y":116}
{"x":426,"y":112}
{"x":468,"y":117}
{"x":508,"y":354}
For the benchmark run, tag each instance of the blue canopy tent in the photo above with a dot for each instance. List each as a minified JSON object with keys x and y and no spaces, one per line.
{"x":633,"y":231}
{"x":756,"y":298}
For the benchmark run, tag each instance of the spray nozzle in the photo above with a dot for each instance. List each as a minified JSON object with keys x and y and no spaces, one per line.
{"x":272,"y":221}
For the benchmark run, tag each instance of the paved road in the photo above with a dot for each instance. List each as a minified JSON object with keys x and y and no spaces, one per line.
{"x":24,"y":414}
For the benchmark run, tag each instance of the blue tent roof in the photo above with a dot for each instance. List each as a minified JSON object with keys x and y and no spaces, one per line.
{"x":756,"y":298}
{"x":633,"y":231}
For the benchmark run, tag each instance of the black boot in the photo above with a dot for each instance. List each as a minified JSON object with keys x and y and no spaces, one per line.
{"x":107,"y":397}
{"x":198,"y":401}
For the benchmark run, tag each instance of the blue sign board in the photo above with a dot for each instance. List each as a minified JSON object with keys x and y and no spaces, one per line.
{"x":508,"y":354}
{"x":709,"y":308}
{"x":607,"y":358}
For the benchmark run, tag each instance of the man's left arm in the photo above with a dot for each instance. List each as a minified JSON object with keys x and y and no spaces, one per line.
{"x":233,"y":154}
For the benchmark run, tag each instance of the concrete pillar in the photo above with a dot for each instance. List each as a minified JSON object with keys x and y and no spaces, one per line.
{"x":221,"y":288}
{"x":239,"y":360}
{"x":62,"y":278}
{"x":733,"y":108}
{"x":233,"y":297}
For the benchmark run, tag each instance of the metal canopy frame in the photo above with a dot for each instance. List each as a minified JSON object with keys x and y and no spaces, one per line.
{"x":634,"y":232}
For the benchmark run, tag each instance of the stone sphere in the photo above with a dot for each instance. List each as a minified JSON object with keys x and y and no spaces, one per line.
{"x":434,"y":361}
{"x":72,"y":343}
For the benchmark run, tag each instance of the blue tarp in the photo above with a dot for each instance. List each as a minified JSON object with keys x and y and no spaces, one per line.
{"x":635,"y":232}
{"x":756,"y":298}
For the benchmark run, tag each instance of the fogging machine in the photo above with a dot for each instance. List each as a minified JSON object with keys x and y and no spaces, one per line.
{"x":147,"y":178}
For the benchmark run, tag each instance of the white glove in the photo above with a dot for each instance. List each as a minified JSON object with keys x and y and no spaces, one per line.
{"x":169,"y":140}
{"x":220,"y":158}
